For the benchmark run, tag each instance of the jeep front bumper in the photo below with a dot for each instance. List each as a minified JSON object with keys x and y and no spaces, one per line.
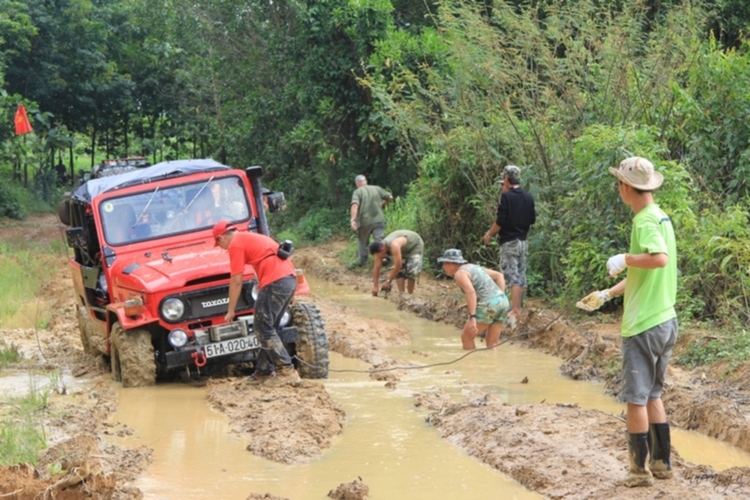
{"x":235,"y":350}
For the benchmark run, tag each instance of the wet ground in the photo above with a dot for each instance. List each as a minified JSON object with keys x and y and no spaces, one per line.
{"x":509,"y":421}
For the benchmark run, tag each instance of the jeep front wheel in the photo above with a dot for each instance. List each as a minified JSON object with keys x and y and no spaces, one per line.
{"x":312,"y":345}
{"x":132,"y":357}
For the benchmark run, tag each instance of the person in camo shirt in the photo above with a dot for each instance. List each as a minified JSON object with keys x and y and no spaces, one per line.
{"x":486,"y":302}
{"x":406,"y":247}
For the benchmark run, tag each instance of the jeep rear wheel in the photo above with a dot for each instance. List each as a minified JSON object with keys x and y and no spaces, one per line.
{"x":312,"y":345}
{"x":132,"y":357}
{"x":84,"y":326}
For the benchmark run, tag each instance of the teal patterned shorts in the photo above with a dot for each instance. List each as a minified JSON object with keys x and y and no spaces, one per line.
{"x":494,"y":310}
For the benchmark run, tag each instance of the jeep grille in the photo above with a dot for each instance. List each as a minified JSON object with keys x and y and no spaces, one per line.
{"x":208,"y":302}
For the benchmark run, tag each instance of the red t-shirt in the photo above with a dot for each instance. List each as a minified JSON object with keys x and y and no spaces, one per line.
{"x":259,"y":251}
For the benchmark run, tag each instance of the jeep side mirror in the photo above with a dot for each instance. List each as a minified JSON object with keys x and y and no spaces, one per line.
{"x":276,"y":201}
{"x":75,"y":237}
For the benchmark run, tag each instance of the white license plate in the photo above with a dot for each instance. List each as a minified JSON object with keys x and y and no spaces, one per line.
{"x":231,"y":346}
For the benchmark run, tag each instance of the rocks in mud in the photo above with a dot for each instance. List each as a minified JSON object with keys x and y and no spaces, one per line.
{"x":356,"y":490}
{"x":265,"y":496}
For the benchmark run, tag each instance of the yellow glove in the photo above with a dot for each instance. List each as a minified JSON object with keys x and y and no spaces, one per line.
{"x":593,"y":301}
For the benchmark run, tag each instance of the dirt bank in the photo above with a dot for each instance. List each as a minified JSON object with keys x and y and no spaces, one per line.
{"x":563,"y":451}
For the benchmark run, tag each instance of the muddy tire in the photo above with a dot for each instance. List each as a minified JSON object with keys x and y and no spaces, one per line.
{"x":84,"y":326}
{"x":132,"y":357}
{"x":312,"y":346}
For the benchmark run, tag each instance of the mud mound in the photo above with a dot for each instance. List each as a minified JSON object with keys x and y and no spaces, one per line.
{"x":356,"y":490}
{"x":289,"y":423}
{"x":353,"y":336}
{"x":564,"y":451}
{"x":23,"y":482}
{"x":90,"y":468}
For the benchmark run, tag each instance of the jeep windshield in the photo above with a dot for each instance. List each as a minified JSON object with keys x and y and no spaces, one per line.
{"x":165,"y":211}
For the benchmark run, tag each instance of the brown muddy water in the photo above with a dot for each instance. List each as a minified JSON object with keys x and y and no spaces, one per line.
{"x":385,"y":441}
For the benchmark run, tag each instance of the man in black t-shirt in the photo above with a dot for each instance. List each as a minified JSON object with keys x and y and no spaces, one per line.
{"x":515,"y":216}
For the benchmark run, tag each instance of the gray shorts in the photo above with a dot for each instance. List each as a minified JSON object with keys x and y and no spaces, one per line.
{"x":644,"y":362}
{"x":513,"y":255}
{"x":410,"y":267}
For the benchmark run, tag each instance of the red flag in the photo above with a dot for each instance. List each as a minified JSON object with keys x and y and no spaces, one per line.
{"x":22,"y":121}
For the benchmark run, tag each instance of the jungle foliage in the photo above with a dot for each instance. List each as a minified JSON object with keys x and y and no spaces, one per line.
{"x":428,"y":99}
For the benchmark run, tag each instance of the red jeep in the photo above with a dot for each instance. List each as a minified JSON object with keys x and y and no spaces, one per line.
{"x":152,"y":288}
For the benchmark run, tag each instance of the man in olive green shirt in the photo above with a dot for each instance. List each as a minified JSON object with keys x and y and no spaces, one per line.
{"x":366,"y":211}
{"x":406,"y":247}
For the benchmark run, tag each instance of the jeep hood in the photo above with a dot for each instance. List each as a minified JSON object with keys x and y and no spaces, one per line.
{"x":174,"y":271}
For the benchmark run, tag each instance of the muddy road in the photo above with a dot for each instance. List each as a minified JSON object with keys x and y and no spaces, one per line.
{"x":553,"y":450}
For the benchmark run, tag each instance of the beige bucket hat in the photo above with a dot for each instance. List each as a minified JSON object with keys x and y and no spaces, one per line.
{"x":639,"y":173}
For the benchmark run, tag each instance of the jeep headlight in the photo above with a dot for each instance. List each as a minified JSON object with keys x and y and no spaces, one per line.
{"x":172,"y":309}
{"x":254,"y":291}
{"x":285,"y":319}
{"x":178,"y":338}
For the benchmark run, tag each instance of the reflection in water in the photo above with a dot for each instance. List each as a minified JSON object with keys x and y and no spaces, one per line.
{"x":385,"y":440}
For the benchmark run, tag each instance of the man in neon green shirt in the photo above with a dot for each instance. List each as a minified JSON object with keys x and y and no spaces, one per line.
{"x":649,"y":320}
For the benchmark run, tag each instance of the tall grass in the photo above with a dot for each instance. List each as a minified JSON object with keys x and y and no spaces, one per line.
{"x":9,"y":354}
{"x":22,"y":433}
{"x":24,"y":270}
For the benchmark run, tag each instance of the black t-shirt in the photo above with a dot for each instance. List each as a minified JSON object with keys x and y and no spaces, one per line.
{"x":515,"y":215}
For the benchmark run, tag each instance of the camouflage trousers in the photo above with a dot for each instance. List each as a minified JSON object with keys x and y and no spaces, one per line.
{"x":513,"y":256}
{"x":273,"y":300}
{"x":410,"y":268}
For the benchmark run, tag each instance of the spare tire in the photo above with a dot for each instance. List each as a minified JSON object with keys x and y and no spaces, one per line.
{"x":63,"y":212}
{"x":312,"y":346}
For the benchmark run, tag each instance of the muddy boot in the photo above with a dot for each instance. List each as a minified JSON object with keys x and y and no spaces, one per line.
{"x":258,"y":377}
{"x":284,"y":376}
{"x":660,"y":447}
{"x":638,"y":475}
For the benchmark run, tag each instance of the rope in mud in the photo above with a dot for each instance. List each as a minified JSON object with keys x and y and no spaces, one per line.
{"x":420,"y":367}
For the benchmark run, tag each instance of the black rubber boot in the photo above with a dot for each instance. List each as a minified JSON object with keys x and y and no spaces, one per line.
{"x":638,"y":475}
{"x":659,"y":445}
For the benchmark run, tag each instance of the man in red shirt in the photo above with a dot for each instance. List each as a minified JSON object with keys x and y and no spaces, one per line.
{"x":277,"y":283}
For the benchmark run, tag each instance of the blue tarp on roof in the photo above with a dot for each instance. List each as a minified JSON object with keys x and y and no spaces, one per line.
{"x":94,"y":187}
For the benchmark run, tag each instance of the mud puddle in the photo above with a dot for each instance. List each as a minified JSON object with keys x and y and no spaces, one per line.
{"x":385,"y":442}
{"x":514,"y":374}
{"x":19,"y":383}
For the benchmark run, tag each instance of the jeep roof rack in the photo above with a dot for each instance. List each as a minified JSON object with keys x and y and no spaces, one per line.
{"x":94,"y":187}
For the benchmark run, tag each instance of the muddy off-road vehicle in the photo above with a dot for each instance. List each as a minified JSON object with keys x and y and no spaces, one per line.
{"x":151,"y":286}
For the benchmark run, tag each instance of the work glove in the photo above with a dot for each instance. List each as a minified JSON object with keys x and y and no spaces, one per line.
{"x":616,"y":264}
{"x":593,"y":301}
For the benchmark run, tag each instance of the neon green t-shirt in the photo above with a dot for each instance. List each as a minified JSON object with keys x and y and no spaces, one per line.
{"x":650,"y":294}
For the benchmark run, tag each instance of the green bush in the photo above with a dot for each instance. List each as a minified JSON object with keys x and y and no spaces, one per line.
{"x":9,"y":205}
{"x":734,"y":346}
